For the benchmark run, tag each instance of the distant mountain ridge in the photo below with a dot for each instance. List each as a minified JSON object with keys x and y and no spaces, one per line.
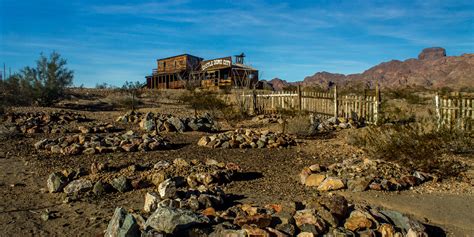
{"x":432,"y":69}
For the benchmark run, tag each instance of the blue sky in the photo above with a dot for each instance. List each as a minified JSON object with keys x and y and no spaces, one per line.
{"x":114,"y":41}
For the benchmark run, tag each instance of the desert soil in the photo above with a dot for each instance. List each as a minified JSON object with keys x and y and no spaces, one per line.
{"x":270,"y":176}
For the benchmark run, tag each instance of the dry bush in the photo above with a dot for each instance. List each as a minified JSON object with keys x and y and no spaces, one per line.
{"x":122,"y":101}
{"x":300,"y":126}
{"x":416,"y":145}
{"x":203,"y":101}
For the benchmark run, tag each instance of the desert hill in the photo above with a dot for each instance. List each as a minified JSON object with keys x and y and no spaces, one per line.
{"x":432,"y":69}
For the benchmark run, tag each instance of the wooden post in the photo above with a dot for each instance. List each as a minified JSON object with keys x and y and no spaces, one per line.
{"x":438,"y":113}
{"x":299,"y":97}
{"x":254,"y":101}
{"x":377,"y":104}
{"x":335,"y":103}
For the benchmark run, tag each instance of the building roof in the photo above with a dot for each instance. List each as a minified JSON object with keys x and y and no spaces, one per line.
{"x":184,"y":54}
{"x":244,"y":66}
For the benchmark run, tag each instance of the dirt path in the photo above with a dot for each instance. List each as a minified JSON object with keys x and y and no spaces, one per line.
{"x":455,"y":213}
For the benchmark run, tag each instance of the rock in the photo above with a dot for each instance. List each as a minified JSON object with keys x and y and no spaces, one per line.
{"x":177,"y":124}
{"x":122,"y":224}
{"x":306,"y":234}
{"x":161,"y":165}
{"x":40,"y":144}
{"x":203,"y":141}
{"x":151,"y":202}
{"x":180,"y":163}
{"x":259,"y":220}
{"x":306,"y":216}
{"x":287,"y":228}
{"x":89,"y":151}
{"x":337,"y":205}
{"x":331,"y":183}
{"x":357,"y":221}
{"x":386,"y":230}
{"x":171,"y":220}
{"x":121,"y":184}
{"x":167,"y":189}
{"x":432,"y":53}
{"x":77,"y":186}
{"x":304,"y":174}
{"x":100,"y":188}
{"x":404,"y":222}
{"x":56,"y":182}
{"x":314,"y":180}
{"x":359,"y":184}
{"x":255,"y":231}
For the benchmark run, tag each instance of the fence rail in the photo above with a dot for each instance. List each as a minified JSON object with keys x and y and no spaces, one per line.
{"x":455,"y":111}
{"x":322,"y":103}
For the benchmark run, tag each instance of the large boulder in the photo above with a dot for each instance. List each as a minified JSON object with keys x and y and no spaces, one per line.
{"x":171,"y":220}
{"x":122,"y":224}
{"x":432,"y":53}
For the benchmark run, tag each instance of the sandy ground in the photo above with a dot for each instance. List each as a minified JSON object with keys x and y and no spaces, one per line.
{"x":270,"y":177}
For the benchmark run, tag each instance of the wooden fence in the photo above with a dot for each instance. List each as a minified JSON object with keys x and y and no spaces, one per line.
{"x":455,"y":111}
{"x":326,"y":105}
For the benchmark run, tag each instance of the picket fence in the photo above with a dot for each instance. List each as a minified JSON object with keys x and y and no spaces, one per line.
{"x":326,"y":105}
{"x":455,"y":111}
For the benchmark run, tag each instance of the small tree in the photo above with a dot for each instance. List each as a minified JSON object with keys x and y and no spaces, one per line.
{"x":133,"y":90}
{"x":43,"y":84}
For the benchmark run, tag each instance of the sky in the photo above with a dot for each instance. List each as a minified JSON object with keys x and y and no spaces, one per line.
{"x":116,"y":41}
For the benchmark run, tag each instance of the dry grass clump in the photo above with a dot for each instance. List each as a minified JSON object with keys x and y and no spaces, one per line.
{"x":416,"y":145}
{"x":300,"y":126}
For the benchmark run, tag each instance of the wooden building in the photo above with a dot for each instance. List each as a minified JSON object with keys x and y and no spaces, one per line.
{"x":172,"y":72}
{"x":184,"y":70}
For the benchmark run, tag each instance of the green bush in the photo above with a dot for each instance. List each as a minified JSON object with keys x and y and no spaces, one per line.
{"x":44,"y":84}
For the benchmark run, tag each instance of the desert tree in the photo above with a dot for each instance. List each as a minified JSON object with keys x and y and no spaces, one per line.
{"x":43,"y":84}
{"x":133,"y":89}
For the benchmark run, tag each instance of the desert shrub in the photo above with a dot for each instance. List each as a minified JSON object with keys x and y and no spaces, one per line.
{"x":416,"y":145}
{"x":43,"y":84}
{"x":203,"y":101}
{"x":133,"y":90}
{"x":409,"y":95}
{"x":300,"y":126}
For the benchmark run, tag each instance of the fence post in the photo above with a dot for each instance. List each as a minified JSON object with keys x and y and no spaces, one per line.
{"x":335,"y":103}
{"x":438,"y":113}
{"x":254,"y":101}
{"x":299,"y":97}
{"x":377,"y":104}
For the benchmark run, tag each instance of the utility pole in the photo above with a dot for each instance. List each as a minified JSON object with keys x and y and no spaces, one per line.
{"x":4,"y":71}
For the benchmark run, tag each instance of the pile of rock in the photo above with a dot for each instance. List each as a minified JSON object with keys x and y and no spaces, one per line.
{"x":267,"y":118}
{"x":98,"y":128}
{"x":169,"y":123}
{"x":102,"y":143}
{"x":362,"y":174}
{"x":333,"y":123}
{"x":40,"y":122}
{"x":325,"y":215}
{"x":176,"y":181}
{"x":246,"y":138}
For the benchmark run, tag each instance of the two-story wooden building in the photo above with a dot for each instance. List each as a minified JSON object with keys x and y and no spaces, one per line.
{"x":172,"y":72}
{"x":186,"y":70}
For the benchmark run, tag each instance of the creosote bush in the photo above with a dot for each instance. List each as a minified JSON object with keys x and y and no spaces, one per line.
{"x":203,"y":101}
{"x":300,"y":126}
{"x":416,"y":145}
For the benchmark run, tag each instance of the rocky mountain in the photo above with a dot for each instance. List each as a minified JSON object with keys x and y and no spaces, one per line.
{"x":432,"y":69}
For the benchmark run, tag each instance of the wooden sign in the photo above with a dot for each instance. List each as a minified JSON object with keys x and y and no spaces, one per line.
{"x":216,"y":63}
